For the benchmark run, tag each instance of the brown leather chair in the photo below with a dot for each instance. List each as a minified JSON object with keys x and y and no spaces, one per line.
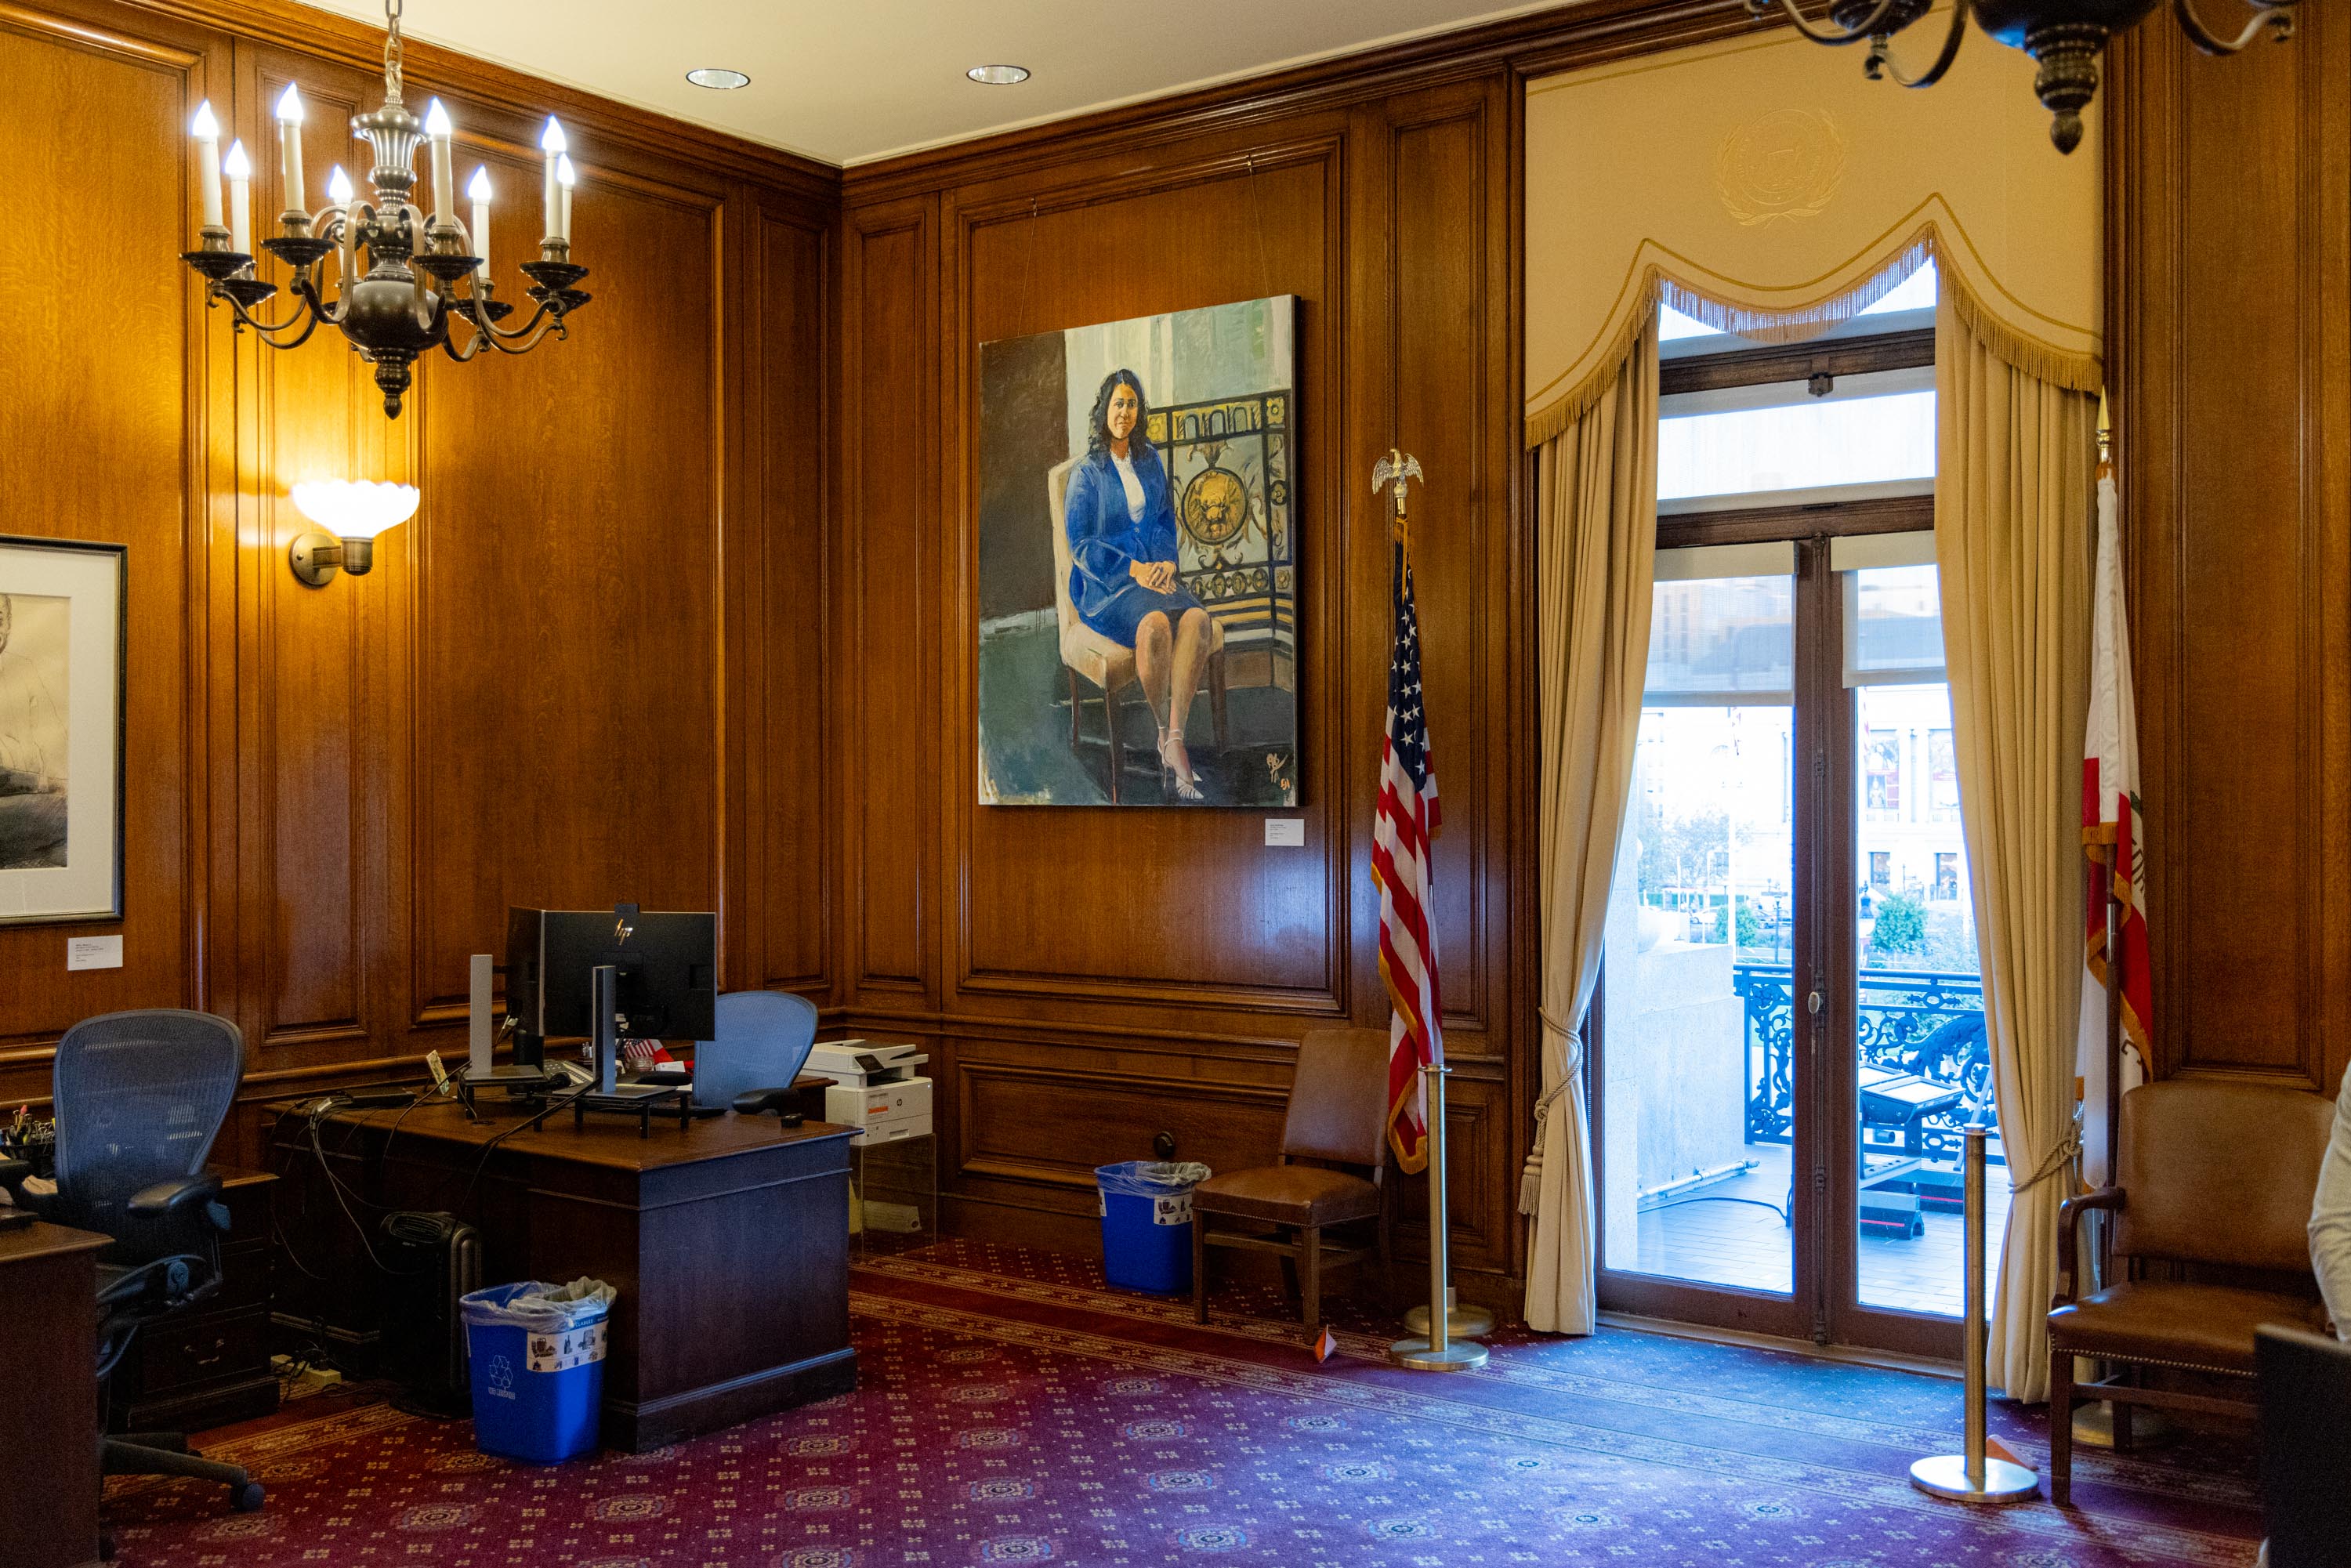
{"x":2214,"y":1177}
{"x":1337,"y":1117}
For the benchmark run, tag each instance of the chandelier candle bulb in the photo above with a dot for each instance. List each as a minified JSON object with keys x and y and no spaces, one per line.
{"x":479,"y":188}
{"x":551,"y":142}
{"x":566,"y":176}
{"x":438,"y":127}
{"x":207,"y":131}
{"x":289,"y":149}
{"x":239,"y":170}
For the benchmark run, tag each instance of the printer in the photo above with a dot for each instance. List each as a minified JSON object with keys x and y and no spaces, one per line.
{"x":875,"y":1088}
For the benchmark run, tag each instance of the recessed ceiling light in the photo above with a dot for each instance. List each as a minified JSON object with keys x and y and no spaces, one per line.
{"x":997,"y":76}
{"x":718,"y":78}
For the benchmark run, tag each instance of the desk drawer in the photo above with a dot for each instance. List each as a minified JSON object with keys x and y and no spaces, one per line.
{"x":216,"y":1345}
{"x":245,"y":1281}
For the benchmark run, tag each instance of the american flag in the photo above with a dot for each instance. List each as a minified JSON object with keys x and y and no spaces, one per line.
{"x":1407,"y":819}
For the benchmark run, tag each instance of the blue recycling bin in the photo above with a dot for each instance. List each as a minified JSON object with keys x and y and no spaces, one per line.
{"x":537,"y":1352}
{"x":1146,"y":1220}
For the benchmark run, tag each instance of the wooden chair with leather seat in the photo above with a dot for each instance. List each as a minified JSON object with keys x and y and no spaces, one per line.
{"x":1337,"y":1117}
{"x":2212,"y":1178}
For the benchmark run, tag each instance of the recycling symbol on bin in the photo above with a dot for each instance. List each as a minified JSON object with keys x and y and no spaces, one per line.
{"x":501,"y":1374}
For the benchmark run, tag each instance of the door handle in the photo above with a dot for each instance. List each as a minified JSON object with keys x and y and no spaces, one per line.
{"x":1812,"y":1004}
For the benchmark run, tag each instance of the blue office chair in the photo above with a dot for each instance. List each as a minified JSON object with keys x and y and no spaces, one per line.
{"x":764,"y":1039}
{"x":139,"y":1097}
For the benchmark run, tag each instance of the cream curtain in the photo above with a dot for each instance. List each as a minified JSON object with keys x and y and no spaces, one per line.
{"x":1597,"y":549}
{"x":2014,"y":539}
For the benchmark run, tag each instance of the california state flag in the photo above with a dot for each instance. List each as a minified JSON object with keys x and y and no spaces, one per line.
{"x":2111,"y":827}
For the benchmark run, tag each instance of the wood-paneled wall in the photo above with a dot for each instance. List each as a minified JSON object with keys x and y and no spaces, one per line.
{"x":591,"y":667}
{"x":2230,"y":286}
{"x":1088,"y":979}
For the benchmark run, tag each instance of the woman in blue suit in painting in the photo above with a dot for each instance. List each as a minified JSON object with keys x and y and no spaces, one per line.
{"x":1121,"y":526}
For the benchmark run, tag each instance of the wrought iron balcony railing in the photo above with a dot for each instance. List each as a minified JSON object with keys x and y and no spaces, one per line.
{"x":1924,"y":1021}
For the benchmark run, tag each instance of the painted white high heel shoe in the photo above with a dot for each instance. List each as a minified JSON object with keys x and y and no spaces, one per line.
{"x":1181,"y":783}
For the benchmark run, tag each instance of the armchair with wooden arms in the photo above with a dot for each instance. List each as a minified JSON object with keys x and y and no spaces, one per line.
{"x":2213,"y":1178}
{"x":1336,"y":1125}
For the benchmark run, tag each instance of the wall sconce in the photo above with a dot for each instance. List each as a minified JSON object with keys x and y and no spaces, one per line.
{"x":353,"y":512}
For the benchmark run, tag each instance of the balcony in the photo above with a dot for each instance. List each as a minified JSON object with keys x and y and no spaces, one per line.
{"x":1924,"y":1072}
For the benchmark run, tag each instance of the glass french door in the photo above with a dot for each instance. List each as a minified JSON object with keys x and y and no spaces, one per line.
{"x":1788,"y":1033}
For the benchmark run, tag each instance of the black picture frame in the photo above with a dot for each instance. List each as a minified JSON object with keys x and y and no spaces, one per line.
{"x":117,"y":605}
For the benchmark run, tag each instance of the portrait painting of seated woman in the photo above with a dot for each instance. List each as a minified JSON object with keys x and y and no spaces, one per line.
{"x":1137,"y":578}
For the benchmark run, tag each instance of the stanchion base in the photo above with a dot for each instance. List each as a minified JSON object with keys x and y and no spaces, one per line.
{"x":1460,"y":1322}
{"x":1415,"y":1355}
{"x":2093,"y":1425}
{"x":1946,"y":1475}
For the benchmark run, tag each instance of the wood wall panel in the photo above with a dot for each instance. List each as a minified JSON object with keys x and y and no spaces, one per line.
{"x":1160,"y":905}
{"x":889,"y":700}
{"x":307,"y":653}
{"x":2229,"y":198}
{"x":333,"y":792}
{"x":91,"y":372}
{"x":792,"y":814}
{"x":1223,"y":1124}
{"x":1107,"y":975}
{"x":566,"y":603}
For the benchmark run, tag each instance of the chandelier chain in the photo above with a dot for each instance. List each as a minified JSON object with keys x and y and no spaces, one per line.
{"x":392,"y":52}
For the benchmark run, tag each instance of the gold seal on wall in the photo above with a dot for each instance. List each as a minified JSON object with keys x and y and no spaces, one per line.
{"x":1783,"y":164}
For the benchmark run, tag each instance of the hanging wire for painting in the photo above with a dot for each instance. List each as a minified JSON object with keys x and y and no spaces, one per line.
{"x":1027,"y":263}
{"x":1256,"y":211}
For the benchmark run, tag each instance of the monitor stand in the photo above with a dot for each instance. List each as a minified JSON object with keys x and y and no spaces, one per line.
{"x":481,"y":1066}
{"x":638,"y":1099}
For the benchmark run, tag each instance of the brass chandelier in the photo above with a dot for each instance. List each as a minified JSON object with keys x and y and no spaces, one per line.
{"x":2063,"y":36}
{"x":404,"y":303}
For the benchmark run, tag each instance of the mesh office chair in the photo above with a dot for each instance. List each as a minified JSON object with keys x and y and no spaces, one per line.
{"x":139,"y":1097}
{"x":764,"y":1039}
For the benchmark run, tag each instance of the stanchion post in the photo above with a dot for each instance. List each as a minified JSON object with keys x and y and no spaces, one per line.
{"x":1974,"y":1476}
{"x":1437,"y":1350}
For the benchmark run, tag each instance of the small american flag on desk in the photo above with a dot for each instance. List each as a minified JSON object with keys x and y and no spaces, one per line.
{"x":1407,"y":819}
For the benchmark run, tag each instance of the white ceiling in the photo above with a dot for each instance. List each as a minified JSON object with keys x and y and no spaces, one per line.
{"x":850,"y":80}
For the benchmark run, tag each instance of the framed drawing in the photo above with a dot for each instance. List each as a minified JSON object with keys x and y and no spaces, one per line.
{"x":1138,"y":572}
{"x":61,"y":627}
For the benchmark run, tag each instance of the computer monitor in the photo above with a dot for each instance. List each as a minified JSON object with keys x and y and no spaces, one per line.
{"x":665,"y":974}
{"x":2306,"y":1384}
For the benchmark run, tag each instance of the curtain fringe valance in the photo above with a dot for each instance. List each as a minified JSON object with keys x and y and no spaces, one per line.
{"x":1794,"y":323}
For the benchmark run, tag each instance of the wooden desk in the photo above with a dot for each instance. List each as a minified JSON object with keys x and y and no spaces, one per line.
{"x":210,"y":1366}
{"x":48,"y":1502}
{"x":727,"y":1240}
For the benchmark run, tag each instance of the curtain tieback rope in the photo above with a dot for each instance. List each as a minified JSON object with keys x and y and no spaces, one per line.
{"x":1530,"y":1177}
{"x":2057,"y":1160}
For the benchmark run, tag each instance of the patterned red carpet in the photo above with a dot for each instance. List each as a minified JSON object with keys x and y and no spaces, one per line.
{"x":1013,"y":1409}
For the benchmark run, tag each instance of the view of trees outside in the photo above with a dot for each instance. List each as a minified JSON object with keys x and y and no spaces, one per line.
{"x":1712,"y":807}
